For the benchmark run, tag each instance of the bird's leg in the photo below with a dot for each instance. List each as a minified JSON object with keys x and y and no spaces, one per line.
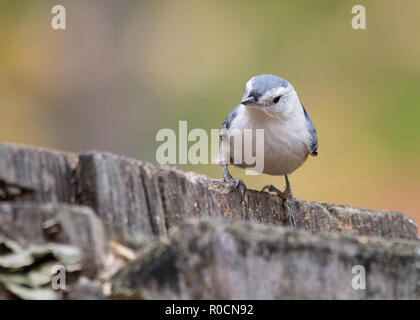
{"x":289,"y":213}
{"x":285,"y":195}
{"x":287,"y":210}
{"x":228,"y":178}
{"x":288,"y":191}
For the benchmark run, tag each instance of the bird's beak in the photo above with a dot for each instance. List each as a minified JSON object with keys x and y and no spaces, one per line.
{"x":249,"y":101}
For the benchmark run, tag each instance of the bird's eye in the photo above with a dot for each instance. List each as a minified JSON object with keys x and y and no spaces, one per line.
{"x":276,"y":99}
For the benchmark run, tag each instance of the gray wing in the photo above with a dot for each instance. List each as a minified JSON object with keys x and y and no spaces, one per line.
{"x":223,"y":131}
{"x":314,"y":137}
{"x":228,"y":121}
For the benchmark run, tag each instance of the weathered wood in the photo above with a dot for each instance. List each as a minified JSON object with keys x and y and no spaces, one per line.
{"x":52,"y":197}
{"x":34,"y":224}
{"x":124,"y":193}
{"x":140,"y":198}
{"x":28,"y":173}
{"x":215,"y":259}
{"x":137,"y":201}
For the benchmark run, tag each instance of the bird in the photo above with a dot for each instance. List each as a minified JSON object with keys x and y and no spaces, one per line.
{"x":271,"y":103}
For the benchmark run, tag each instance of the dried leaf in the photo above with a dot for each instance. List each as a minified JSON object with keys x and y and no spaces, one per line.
{"x":13,"y":278}
{"x":42,"y":275}
{"x":66,"y":254}
{"x":16,"y":260}
{"x":123,"y":251}
{"x":32,"y":294}
{"x":10,"y":244}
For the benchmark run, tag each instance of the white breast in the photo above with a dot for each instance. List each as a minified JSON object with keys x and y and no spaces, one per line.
{"x":286,"y":138}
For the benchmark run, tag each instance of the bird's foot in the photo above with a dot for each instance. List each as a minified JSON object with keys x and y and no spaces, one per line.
{"x":289,"y":213}
{"x":238,"y":183}
{"x":287,"y":194}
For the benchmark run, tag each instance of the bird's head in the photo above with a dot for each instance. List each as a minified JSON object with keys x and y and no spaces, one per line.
{"x":270,"y":93}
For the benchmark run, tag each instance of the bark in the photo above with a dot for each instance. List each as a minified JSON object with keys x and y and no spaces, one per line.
{"x":215,"y":259}
{"x":123,"y":213}
{"x":137,"y":200}
{"x":31,"y":224}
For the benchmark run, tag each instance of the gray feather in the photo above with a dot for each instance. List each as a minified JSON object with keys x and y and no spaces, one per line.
{"x":314,"y":138}
{"x":266,"y":82}
{"x":232,"y":115}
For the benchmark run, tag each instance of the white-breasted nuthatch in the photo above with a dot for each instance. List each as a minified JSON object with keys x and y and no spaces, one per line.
{"x":272,"y":104}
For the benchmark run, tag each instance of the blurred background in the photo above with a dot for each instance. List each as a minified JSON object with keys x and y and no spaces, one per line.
{"x":124,"y":69}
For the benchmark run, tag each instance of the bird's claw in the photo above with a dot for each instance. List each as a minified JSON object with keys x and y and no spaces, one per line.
{"x":242,"y":186}
{"x":238,"y":183}
{"x":285,"y":195}
{"x":282,"y":194}
{"x":289,"y":213}
{"x":270,"y":188}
